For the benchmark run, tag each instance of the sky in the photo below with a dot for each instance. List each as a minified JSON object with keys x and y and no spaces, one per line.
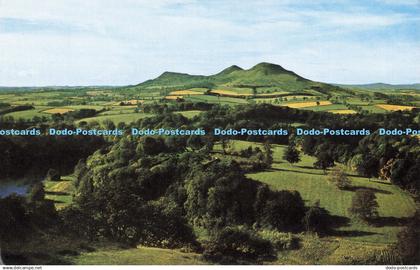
{"x":122,"y":42}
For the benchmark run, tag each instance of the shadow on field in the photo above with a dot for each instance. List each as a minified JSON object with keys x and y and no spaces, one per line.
{"x":389,"y":221}
{"x":306,"y":167}
{"x":338,"y":221}
{"x":283,"y":170}
{"x":381,"y":191}
{"x":25,"y":258}
{"x":353,"y":233}
{"x":55,"y":201}
{"x":56,"y":193}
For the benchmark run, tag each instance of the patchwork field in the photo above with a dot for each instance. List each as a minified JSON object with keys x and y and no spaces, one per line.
{"x":173,"y":97}
{"x":29,"y":114}
{"x":229,"y":93}
{"x":58,"y":110}
{"x":298,"y":105}
{"x":130,"y":102}
{"x":394,"y":107}
{"x":343,"y":111}
{"x":217,"y":100}
{"x":185,"y":93}
{"x":116,"y":118}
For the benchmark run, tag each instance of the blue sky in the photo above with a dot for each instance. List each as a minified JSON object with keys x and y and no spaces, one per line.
{"x":119,"y":42}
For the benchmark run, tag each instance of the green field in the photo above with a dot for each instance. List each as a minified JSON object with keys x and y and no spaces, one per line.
{"x":29,"y":114}
{"x":189,"y":114}
{"x":217,"y":100}
{"x":327,"y":108}
{"x":312,"y":184}
{"x":137,"y":256}
{"x":117,"y":118}
{"x":60,"y":192}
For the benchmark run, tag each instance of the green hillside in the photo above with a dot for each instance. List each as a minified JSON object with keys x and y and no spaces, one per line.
{"x":267,"y":76}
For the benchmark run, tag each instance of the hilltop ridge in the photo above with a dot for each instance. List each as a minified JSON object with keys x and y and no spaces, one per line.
{"x":263,"y":74}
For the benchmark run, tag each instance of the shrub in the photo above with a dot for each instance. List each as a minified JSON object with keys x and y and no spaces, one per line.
{"x":317,"y":219}
{"x":339,"y":178}
{"x":237,"y":245}
{"x":280,"y":240}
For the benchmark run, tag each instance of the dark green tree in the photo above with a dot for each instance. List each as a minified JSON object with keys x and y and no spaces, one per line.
{"x":324,"y":161}
{"x":316,"y":219}
{"x":364,"y":205}
{"x":292,"y":154}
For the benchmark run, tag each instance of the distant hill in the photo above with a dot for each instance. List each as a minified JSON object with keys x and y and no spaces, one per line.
{"x":263,"y":75}
{"x":382,"y":86}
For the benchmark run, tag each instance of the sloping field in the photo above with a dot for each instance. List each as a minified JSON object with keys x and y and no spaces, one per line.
{"x":117,"y":118}
{"x":392,"y":108}
{"x":395,"y":205}
{"x":60,"y":192}
{"x":130,"y":102}
{"x":138,"y":256}
{"x":185,"y":92}
{"x":189,"y":114}
{"x":343,"y":111}
{"x":229,"y":93}
{"x":298,"y":105}
{"x":58,"y":110}
{"x":29,"y":114}
{"x":173,"y":97}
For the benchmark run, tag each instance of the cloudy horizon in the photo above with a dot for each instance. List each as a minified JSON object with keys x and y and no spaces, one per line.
{"x":75,"y":42}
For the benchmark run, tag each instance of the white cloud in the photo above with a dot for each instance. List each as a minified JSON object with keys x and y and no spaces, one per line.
{"x":125,"y":42}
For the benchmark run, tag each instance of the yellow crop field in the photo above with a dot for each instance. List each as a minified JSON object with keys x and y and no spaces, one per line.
{"x":228,"y":93}
{"x":298,"y":105}
{"x":58,"y":110}
{"x":343,"y":111}
{"x":390,"y":107}
{"x":184,"y":92}
{"x":173,"y":97}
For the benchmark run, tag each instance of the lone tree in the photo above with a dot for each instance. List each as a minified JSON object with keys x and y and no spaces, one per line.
{"x":339,"y":178}
{"x":268,"y":155}
{"x":324,"y":161}
{"x":364,"y":205}
{"x":291,"y":155}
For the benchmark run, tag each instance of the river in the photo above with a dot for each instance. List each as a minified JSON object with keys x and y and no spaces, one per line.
{"x":8,"y":187}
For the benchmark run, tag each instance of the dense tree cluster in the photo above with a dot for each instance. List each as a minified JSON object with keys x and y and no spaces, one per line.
{"x":35,"y":155}
{"x":142,"y":191}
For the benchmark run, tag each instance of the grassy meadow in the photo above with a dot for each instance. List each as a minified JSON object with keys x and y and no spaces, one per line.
{"x":394,"y":204}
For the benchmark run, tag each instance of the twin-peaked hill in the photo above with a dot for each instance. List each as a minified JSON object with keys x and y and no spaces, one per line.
{"x":264,"y":75}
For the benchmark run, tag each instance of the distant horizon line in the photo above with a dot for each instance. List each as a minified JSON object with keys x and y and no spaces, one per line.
{"x":125,"y":85}
{"x":233,"y":65}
